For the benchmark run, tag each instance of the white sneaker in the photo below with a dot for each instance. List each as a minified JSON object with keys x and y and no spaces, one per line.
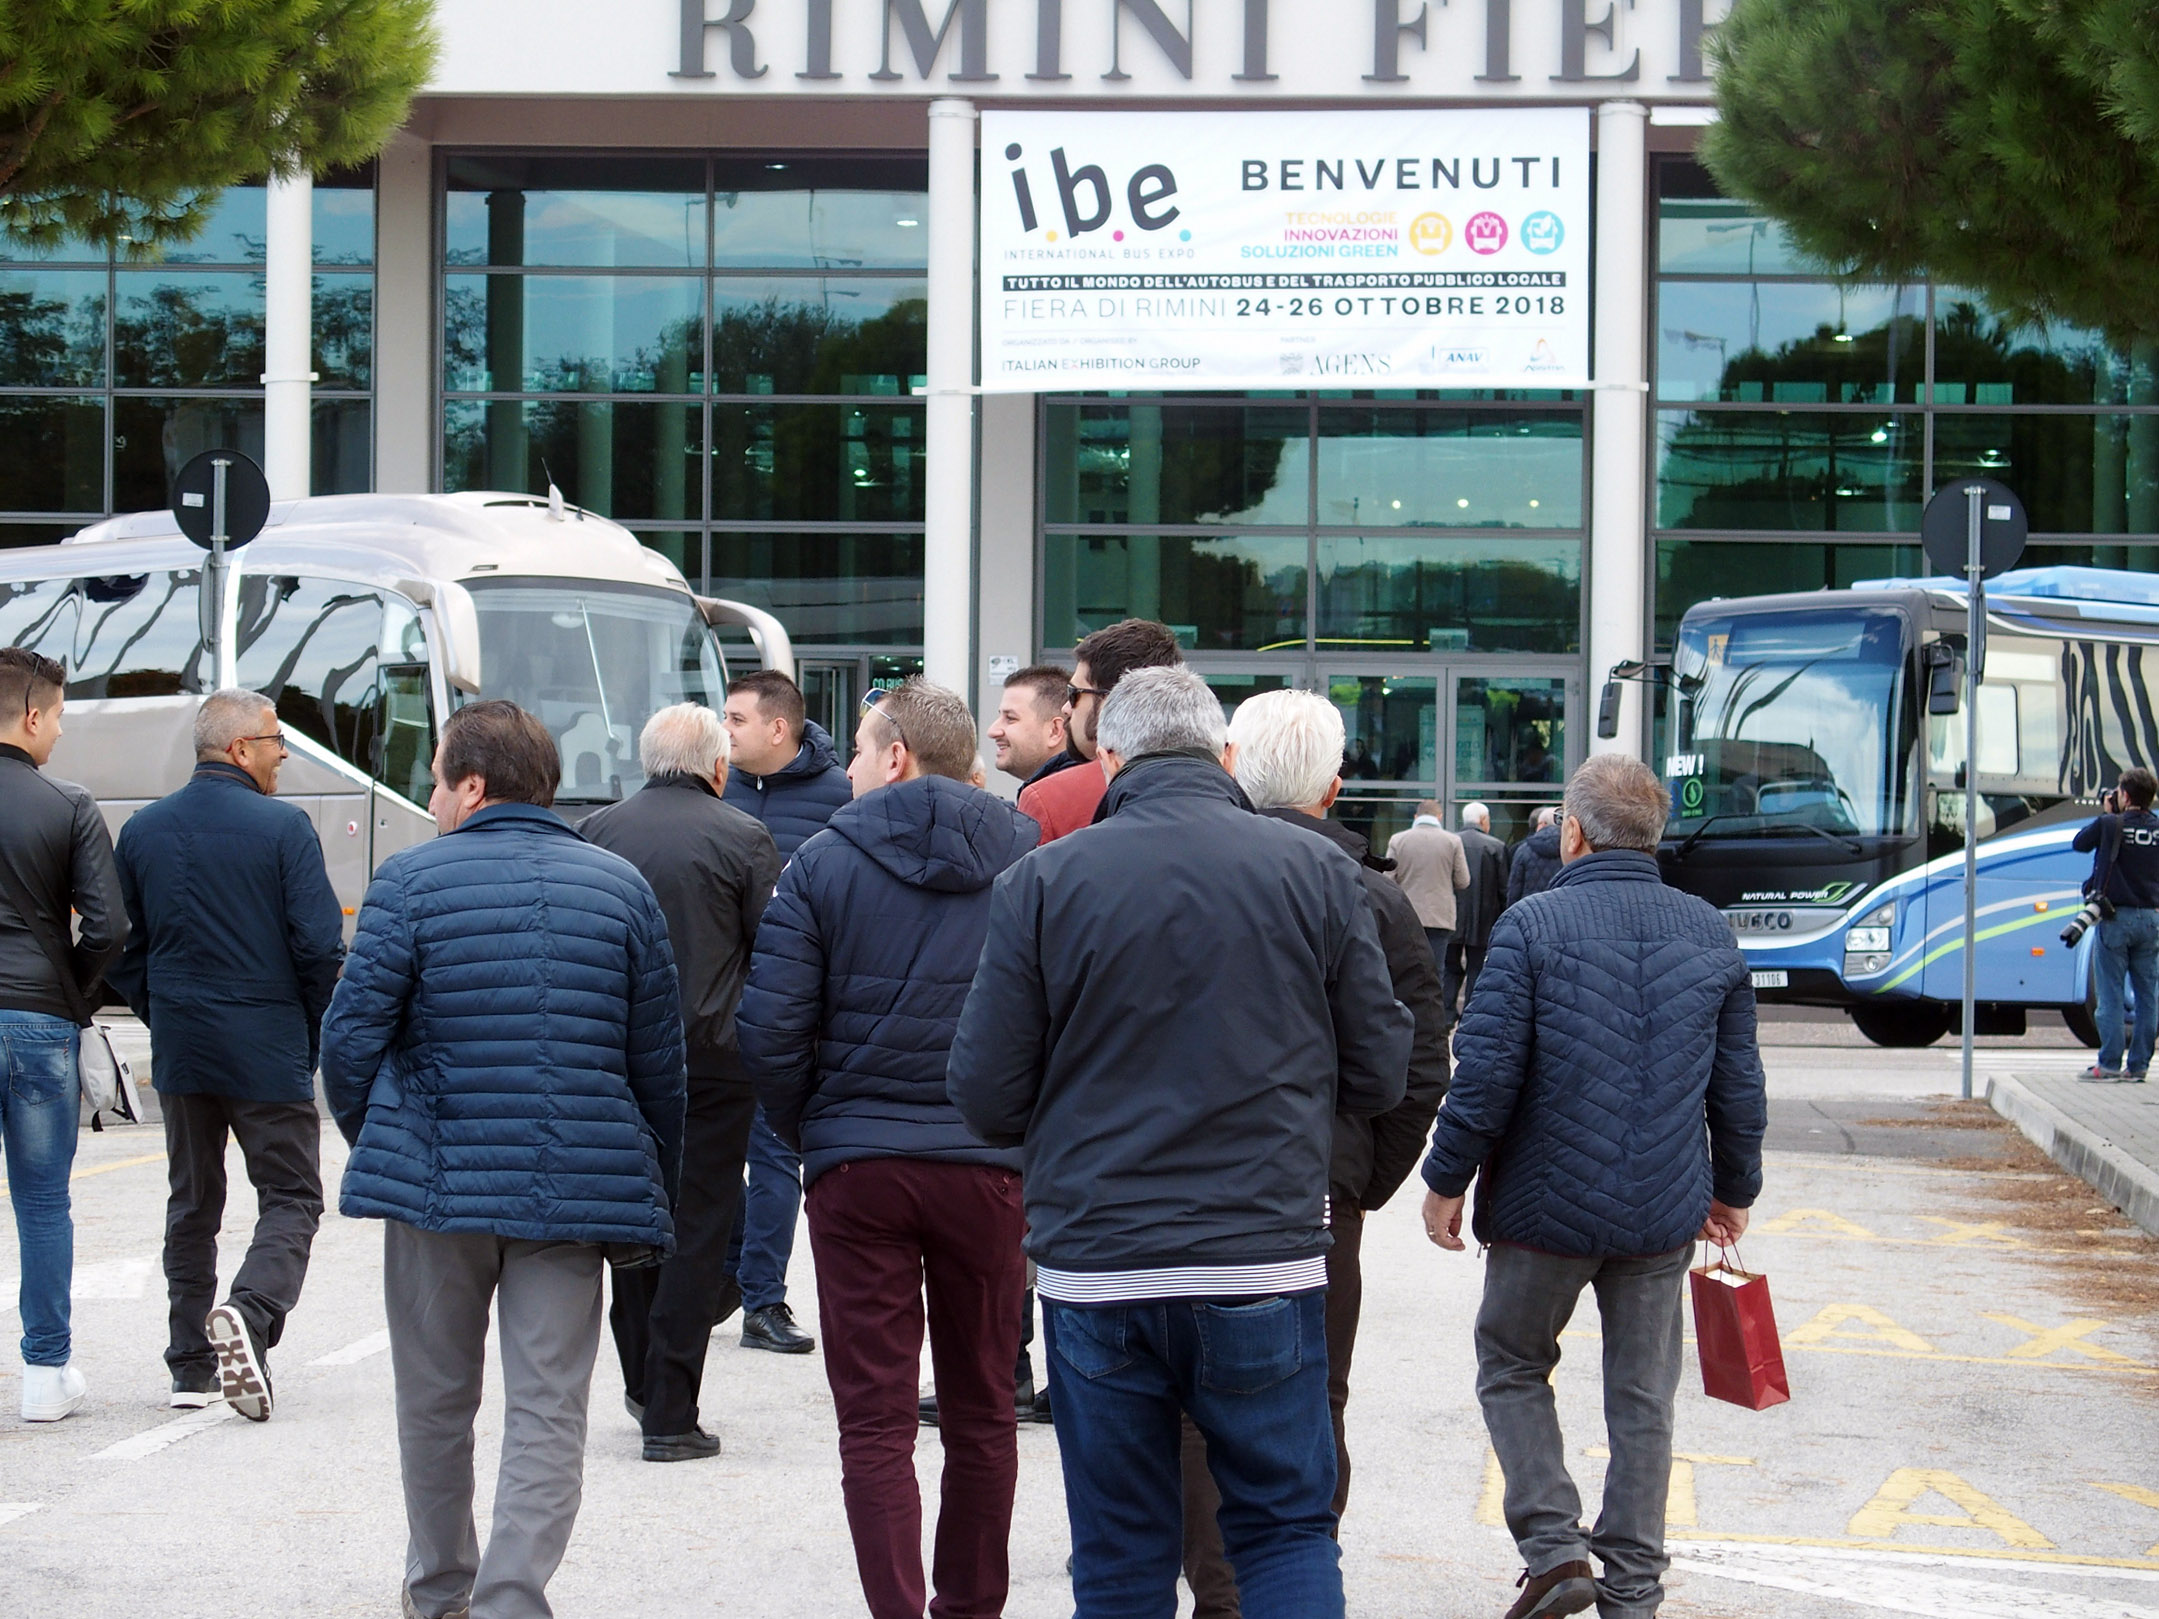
{"x":246,"y":1381}
{"x":51,"y":1392}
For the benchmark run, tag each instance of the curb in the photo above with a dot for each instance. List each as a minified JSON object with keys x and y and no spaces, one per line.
{"x":2131,"y":1186}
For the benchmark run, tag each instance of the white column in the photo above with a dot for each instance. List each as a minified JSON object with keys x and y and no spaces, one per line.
{"x":1618,"y":555}
{"x":288,"y":336}
{"x":405,"y":321}
{"x":949,"y":452}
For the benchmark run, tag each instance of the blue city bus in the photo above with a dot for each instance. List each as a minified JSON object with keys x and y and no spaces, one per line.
{"x":1814,"y":747}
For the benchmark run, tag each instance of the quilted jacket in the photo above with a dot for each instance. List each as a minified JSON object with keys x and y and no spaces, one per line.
{"x":797,"y":799}
{"x":863,"y":961}
{"x":505,"y":1049}
{"x":1605,"y":1071}
{"x":1535,"y":864}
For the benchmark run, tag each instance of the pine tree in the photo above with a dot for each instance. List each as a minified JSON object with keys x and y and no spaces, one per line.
{"x":121,"y":120}
{"x":2006,"y":145}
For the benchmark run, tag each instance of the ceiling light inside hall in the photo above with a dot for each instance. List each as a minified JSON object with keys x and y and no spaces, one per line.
{"x":1464,"y":502}
{"x":907,"y":224}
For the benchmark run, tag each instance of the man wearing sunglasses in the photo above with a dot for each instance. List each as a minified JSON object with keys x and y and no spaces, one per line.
{"x":233,"y":949}
{"x":1066,"y":800}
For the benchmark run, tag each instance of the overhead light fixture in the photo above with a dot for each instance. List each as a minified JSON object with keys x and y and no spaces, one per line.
{"x":1880,"y":435}
{"x":907,"y":224}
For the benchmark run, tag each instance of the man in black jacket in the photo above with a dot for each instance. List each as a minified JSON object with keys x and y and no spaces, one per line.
{"x":713,"y":868}
{"x":1482,"y":901}
{"x":2125,"y":869}
{"x":1536,"y":859}
{"x":1172,"y":1007}
{"x":1285,"y":749}
{"x":55,"y":857}
{"x":235,"y":942}
{"x":862,"y":964}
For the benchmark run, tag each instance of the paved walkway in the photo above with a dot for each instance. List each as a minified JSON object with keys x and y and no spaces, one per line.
{"x":2109,"y":1134}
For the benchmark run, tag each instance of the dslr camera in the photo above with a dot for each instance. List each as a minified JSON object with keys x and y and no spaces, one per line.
{"x":2096,"y":909}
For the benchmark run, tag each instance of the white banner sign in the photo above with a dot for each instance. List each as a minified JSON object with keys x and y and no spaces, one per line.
{"x":1239,"y":250}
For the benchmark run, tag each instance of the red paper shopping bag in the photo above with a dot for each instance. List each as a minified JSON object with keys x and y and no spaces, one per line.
{"x":1736,"y":1332}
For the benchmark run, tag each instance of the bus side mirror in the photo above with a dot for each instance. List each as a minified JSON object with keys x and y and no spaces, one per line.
{"x":1608,"y":712}
{"x":1944,"y":678}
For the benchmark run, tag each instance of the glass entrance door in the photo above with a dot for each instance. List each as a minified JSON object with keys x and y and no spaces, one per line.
{"x":832,"y":688}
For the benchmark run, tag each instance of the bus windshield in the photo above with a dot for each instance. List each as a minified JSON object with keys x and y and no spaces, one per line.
{"x":1786,"y":723}
{"x":594,"y":662}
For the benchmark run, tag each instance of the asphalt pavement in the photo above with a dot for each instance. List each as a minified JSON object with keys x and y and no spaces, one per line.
{"x":1972,"y":1337}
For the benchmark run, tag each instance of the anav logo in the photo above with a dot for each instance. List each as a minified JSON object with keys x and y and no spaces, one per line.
{"x":1542,"y":232}
{"x":1085,"y":198}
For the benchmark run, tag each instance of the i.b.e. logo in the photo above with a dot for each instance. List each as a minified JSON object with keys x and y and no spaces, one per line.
{"x":1485,"y":233}
{"x":1542,"y":232}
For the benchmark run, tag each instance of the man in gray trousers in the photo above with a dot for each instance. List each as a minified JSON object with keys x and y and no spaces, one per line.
{"x":1606,"y":1081}
{"x":505,"y":1053}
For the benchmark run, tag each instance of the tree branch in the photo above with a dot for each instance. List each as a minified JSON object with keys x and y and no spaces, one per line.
{"x":19,"y":149}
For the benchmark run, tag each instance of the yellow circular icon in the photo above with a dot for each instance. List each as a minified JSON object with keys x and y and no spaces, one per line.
{"x":1431,"y":233}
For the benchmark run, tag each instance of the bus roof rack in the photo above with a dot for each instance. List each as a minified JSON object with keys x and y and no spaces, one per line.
{"x":2060,"y":583}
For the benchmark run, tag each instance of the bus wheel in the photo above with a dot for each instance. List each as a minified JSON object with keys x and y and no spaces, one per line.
{"x":1913,"y":1023}
{"x":2083,"y":1020}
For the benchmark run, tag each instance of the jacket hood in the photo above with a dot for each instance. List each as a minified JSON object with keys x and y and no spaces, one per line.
{"x":1545,"y":842}
{"x":1353,"y":844}
{"x":1171,"y":775}
{"x":813,"y":758}
{"x":936,"y":833}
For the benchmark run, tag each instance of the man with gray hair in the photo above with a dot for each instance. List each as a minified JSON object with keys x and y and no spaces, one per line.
{"x":1608,"y":1085}
{"x":234,"y":943}
{"x":713,"y":867}
{"x":1173,"y":1006}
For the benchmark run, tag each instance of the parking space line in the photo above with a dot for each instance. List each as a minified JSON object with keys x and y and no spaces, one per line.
{"x":1940,"y":1595}
{"x":2133,"y":1492}
{"x":2022,"y":1559}
{"x":106,"y":1169}
{"x":152,"y":1440}
{"x":2069,"y":1335}
{"x":356,"y":1351}
{"x":1904,"y":1489}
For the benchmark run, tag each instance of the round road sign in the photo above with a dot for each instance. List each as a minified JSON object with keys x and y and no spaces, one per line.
{"x":247,"y":498}
{"x":1945,"y":528}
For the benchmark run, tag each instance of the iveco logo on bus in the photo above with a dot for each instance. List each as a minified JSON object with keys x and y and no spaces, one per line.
{"x":1760,"y":921}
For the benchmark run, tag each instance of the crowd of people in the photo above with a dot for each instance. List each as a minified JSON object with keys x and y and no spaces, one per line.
{"x":1146,"y":1048}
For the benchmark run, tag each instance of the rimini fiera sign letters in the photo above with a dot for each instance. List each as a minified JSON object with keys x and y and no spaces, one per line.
{"x":1283,"y":249}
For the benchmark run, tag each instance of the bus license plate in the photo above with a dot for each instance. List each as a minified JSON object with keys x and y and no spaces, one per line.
{"x":1775,"y":979}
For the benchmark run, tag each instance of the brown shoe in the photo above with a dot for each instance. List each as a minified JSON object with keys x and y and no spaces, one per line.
{"x":1568,"y":1588}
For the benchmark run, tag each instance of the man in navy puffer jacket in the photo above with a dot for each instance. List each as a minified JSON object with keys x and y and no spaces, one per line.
{"x":505,"y":1054}
{"x":1607,"y":1084}
{"x":863,"y":961}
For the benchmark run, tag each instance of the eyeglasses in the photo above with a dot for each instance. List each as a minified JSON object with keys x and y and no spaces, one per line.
{"x":873,"y":701}
{"x":275,"y":736}
{"x":1074,"y":693}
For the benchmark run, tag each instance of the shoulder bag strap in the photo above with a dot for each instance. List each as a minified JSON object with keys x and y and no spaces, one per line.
{"x":55,"y":952}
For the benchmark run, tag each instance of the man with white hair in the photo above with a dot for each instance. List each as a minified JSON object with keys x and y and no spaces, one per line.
{"x":1172,"y":1006}
{"x":1608,"y":1096}
{"x":713,"y":867}
{"x":234,"y":943}
{"x":1285,"y":749}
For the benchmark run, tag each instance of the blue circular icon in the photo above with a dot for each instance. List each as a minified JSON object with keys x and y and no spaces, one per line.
{"x":1184,"y":236}
{"x":1542,"y":232}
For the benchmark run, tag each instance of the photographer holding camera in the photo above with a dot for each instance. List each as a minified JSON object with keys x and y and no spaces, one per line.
{"x":2124,"y":890}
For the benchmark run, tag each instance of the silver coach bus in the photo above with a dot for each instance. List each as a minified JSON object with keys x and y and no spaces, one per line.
{"x":366,"y":619}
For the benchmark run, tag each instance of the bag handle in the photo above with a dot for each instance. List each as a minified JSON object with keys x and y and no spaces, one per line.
{"x":63,"y":962}
{"x":1733,"y":1263}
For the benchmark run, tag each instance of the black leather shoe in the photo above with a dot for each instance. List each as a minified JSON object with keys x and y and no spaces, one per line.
{"x":681,"y":1447}
{"x":926,"y":1410}
{"x":774,"y":1328}
{"x":1039,"y":1409}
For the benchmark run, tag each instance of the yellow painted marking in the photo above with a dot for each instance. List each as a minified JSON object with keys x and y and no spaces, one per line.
{"x":1991,"y":1553}
{"x":2138,"y":1368}
{"x":1682,"y":1509}
{"x":2133,"y":1492}
{"x":1891,"y":1509}
{"x":1958,"y":1233}
{"x":2043,"y":1341}
{"x":1815,"y":1223}
{"x":1831,"y":1324}
{"x":1492,"y":1497}
{"x":106,"y":1169}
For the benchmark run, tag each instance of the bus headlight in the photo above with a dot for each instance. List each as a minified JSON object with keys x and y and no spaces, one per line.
{"x":1862,"y":966}
{"x":1866,"y":941}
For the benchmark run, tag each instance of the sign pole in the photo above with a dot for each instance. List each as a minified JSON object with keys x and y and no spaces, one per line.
{"x":1975,"y":652}
{"x":214,"y":575}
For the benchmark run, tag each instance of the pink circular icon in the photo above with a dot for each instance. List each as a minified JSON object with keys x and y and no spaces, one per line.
{"x":1485,"y":233}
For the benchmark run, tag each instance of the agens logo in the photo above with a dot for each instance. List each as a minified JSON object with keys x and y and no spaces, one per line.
{"x":1431,"y":233}
{"x":1485,"y":233}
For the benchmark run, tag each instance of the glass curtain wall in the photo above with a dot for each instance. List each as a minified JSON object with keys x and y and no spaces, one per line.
{"x":116,"y":369}
{"x":1802,"y":421}
{"x":724,"y":354}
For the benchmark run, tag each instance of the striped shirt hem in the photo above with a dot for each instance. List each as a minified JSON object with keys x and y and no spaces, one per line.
{"x":1180,"y":1281}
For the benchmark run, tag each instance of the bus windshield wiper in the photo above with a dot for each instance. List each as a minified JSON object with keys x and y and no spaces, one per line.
{"x":1848,"y":845}
{"x":1687,"y":847}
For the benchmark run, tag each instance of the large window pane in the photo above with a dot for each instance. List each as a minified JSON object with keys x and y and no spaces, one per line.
{"x":1398,"y":592}
{"x":574,"y":334}
{"x":52,"y":328}
{"x":1450,"y":468}
{"x":52,"y":455}
{"x":139,"y":635}
{"x":864,"y":589}
{"x":1790,"y":342}
{"x":2075,"y":474}
{"x":820,"y":212}
{"x":343,"y":462}
{"x":1218,"y":592}
{"x":1690,"y":571}
{"x":233,"y":234}
{"x":1981,"y":359}
{"x":602,"y":212}
{"x":188,"y":331}
{"x":1390,"y":726}
{"x":1789,"y":470}
{"x":1146,"y":463}
{"x":152,"y":439}
{"x":1510,"y":729}
{"x":620,"y":460}
{"x":344,"y":332}
{"x":345,"y":217}
{"x":18,"y":534}
{"x":817,"y":463}
{"x":819,"y":335}
{"x":1699,"y":230}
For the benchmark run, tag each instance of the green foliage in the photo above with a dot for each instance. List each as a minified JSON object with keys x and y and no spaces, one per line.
{"x":2007,"y":145}
{"x":120,"y":120}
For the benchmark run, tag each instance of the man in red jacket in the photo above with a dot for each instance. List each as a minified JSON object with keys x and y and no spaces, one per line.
{"x":1065,"y":801}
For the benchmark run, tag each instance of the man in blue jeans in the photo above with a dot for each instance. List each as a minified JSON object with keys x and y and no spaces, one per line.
{"x":55,"y":858}
{"x":1171,"y":1007}
{"x":2126,"y":872}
